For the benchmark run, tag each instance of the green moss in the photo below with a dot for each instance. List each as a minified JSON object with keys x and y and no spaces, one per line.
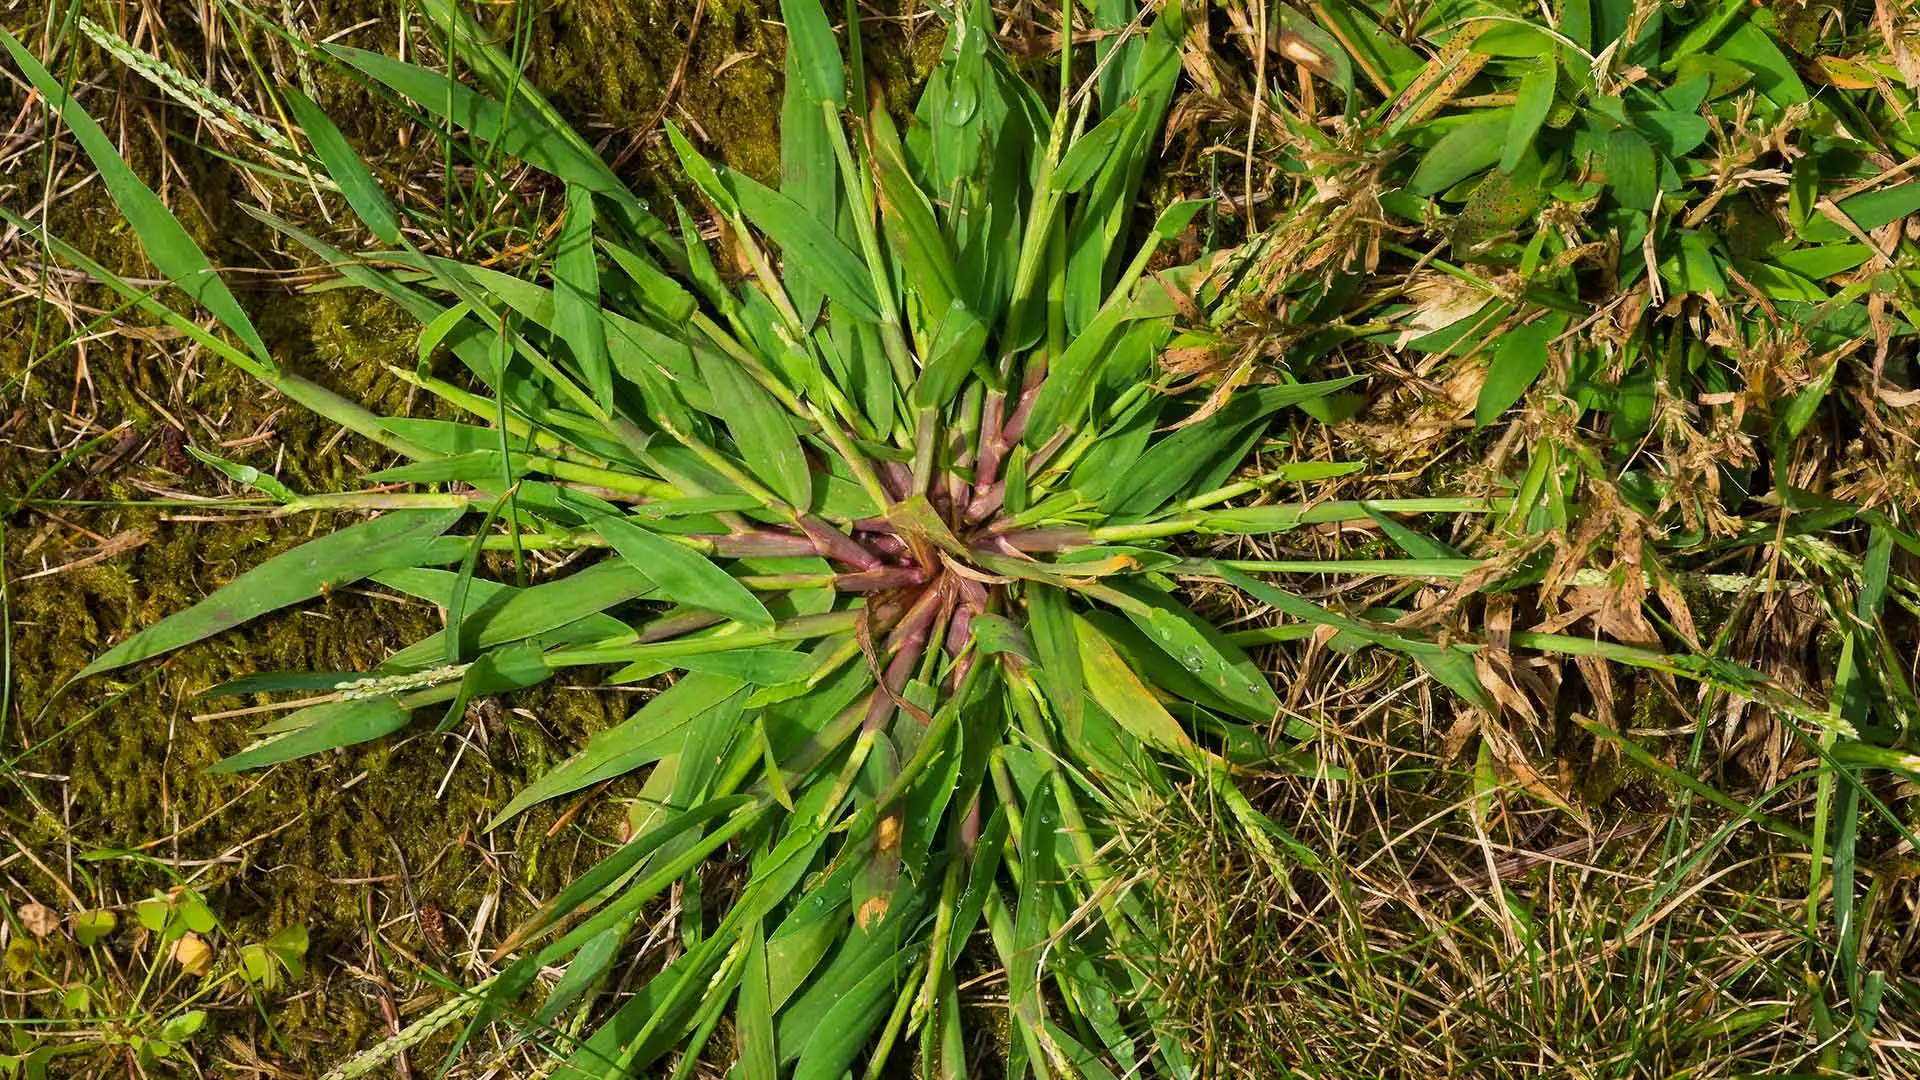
{"x":118,"y":766}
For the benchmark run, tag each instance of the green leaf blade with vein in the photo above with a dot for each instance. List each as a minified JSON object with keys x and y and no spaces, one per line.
{"x":576,"y":296}
{"x":322,"y":727}
{"x":682,"y":574}
{"x":358,"y":551}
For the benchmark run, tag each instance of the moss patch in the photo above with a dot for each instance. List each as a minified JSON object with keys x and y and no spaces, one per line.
{"x":107,"y":789}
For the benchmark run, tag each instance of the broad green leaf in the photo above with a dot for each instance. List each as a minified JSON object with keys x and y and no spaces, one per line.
{"x":1820,"y":263}
{"x":761,"y":430}
{"x":341,"y":558}
{"x":1386,"y":60}
{"x":1089,"y":153}
{"x":1518,"y":360}
{"x":661,"y":296}
{"x":161,"y":235}
{"x":959,"y":344}
{"x":1463,"y":151}
{"x":1034,"y":914}
{"x":1870,"y":210}
{"x":1632,"y":173}
{"x":917,"y":241}
{"x":1205,"y":653}
{"x":1534,"y":99}
{"x":809,"y":176}
{"x":1051,"y":626}
{"x":757,"y":1056}
{"x":91,"y":927}
{"x":1674,"y":134}
{"x":682,"y":574}
{"x":1753,"y":48}
{"x":834,"y":1045}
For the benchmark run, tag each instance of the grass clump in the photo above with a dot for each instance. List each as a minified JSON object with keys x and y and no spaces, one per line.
{"x":889,"y":465}
{"x":894,"y":488}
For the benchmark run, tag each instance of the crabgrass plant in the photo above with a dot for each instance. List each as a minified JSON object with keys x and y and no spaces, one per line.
{"x":889,"y":516}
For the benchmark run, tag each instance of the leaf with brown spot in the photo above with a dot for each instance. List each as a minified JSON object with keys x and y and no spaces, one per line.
{"x":1452,"y":68}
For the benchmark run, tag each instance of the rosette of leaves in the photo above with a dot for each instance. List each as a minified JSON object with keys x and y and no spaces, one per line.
{"x":890,"y":512}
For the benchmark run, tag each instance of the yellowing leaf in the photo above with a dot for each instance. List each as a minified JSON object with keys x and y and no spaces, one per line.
{"x":1115,"y":688}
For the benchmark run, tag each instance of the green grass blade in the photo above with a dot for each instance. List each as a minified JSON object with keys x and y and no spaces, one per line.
{"x":1117,"y":689}
{"x":1189,"y":454}
{"x":1533,"y":101}
{"x":1204,"y":652}
{"x":806,"y":241}
{"x":1517,"y":361}
{"x":518,"y":614}
{"x":521,"y":131}
{"x":322,"y":727}
{"x":347,"y":169}
{"x":649,"y":734}
{"x":809,"y":176}
{"x":682,"y":574}
{"x":161,"y":235}
{"x":576,"y":296}
{"x":585,"y":888}
{"x":843,"y":1032}
{"x":810,"y":40}
{"x":341,"y":558}
{"x":1450,"y":664}
{"x":758,"y":1056}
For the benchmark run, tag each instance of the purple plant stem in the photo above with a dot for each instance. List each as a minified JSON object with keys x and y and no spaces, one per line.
{"x":672,"y":626}
{"x":989,"y":493}
{"x":973,"y":601}
{"x":897,"y":479}
{"x":1058,"y":538}
{"x":899,"y":669}
{"x":991,"y":448}
{"x":887,"y":577}
{"x":756,"y":541}
{"x":1016,"y":428}
{"x":986,"y":503}
{"x":912,"y":628}
{"x":834,"y":544}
